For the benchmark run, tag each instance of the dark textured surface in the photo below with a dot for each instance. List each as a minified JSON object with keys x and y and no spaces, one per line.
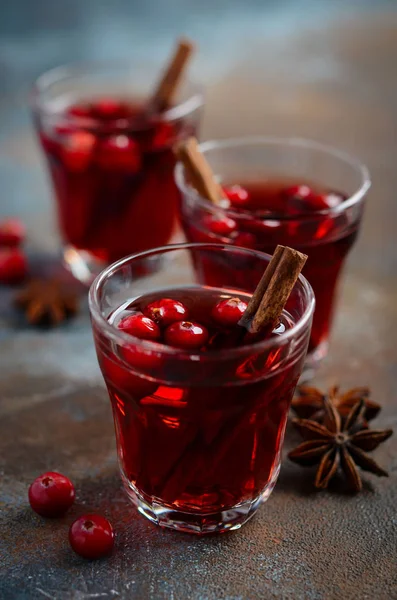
{"x":324,"y":73}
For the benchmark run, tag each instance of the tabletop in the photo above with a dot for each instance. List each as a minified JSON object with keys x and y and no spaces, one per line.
{"x":303,"y":69}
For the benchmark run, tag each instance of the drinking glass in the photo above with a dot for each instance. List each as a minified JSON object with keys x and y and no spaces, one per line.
{"x":326,"y":236}
{"x":110,"y":160}
{"x":199,"y":434}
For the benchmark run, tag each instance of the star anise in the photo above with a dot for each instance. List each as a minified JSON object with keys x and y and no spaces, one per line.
{"x":338,"y":444}
{"x":309,"y":404}
{"x":46,"y":302}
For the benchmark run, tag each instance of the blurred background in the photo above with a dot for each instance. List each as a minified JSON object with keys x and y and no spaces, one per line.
{"x":317,"y":68}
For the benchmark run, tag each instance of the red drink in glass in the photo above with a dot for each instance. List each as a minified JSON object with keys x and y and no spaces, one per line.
{"x":110,"y":160}
{"x":199,"y":430}
{"x":263,"y":207}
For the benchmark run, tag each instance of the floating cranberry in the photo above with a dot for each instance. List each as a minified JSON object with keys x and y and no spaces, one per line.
{"x":186,"y":334}
{"x":298,"y":192}
{"x":229,"y":311}
{"x":141,"y":327}
{"x":108,"y":108}
{"x":80,"y":110}
{"x":119,"y":153}
{"x":13,"y":265}
{"x":77,"y":150}
{"x":164,"y":135}
{"x":12,"y":232}
{"x":51,"y":494}
{"x":166,"y":311}
{"x":91,"y":536}
{"x":245,"y":240}
{"x":237,"y":195}
{"x":220,"y":225}
{"x":122,"y":379}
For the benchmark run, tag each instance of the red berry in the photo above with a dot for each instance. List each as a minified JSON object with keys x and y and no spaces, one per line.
{"x":51,"y":494}
{"x":298,"y":192}
{"x":228,"y":312}
{"x":122,"y":379}
{"x":13,"y":265}
{"x":80,"y":110}
{"x":237,"y":195}
{"x":326,"y":201}
{"x":77,"y":150}
{"x":245,"y":240}
{"x":119,"y":153}
{"x":166,"y":311}
{"x":107,"y":108}
{"x":186,"y":334}
{"x":141,"y":327}
{"x":220,"y":225}
{"x":91,"y":536}
{"x":12,"y":232}
{"x":164,"y":135}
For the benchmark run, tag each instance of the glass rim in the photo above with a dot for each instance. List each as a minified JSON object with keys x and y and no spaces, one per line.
{"x":298,"y":142}
{"x":61,"y":72}
{"x":118,"y":335}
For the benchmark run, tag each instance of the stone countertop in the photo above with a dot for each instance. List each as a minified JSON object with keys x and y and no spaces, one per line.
{"x":331,"y":77}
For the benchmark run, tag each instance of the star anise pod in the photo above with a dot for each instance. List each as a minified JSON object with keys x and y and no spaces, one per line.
{"x":309,"y":403}
{"x":338,"y":444}
{"x":46,"y":302}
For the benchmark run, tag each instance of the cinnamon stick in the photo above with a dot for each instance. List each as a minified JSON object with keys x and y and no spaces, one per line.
{"x":199,"y":171}
{"x":273,"y":290}
{"x":166,"y":88}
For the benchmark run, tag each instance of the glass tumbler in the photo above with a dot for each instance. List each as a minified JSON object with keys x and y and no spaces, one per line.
{"x":110,"y":159}
{"x":199,"y":434}
{"x":325,"y":235}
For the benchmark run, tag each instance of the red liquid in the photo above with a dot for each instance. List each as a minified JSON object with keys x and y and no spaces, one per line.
{"x":271,"y":216}
{"x":212,"y":440}
{"x":112,"y":170}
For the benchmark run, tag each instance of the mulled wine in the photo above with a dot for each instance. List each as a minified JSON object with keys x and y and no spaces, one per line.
{"x":200,"y":408}
{"x":109,"y":152}
{"x":317,"y":219}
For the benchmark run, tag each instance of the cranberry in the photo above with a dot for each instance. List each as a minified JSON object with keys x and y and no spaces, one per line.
{"x":141,"y":327}
{"x":13,"y":265}
{"x":245,"y":240}
{"x":91,"y":536}
{"x":298,"y":192}
{"x":80,"y":110}
{"x":229,"y":311}
{"x":51,"y":494}
{"x":125,"y":381}
{"x":237,"y":195}
{"x":186,"y":334}
{"x":119,"y":153}
{"x":220,"y":225}
{"x":78,"y":149}
{"x":108,"y":108}
{"x":12,"y":232}
{"x":164,"y":135}
{"x":166,"y":311}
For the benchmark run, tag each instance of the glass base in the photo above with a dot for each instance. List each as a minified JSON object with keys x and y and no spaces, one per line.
{"x":192,"y":522}
{"x":83,"y":266}
{"x":313,"y":362}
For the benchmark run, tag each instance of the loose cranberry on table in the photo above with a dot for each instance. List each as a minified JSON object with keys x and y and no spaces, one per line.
{"x":51,"y":494}
{"x":141,"y":327}
{"x":229,"y":311}
{"x":91,"y":536}
{"x":186,"y":334}
{"x":166,"y":311}
{"x":12,"y":232}
{"x":13,"y":265}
